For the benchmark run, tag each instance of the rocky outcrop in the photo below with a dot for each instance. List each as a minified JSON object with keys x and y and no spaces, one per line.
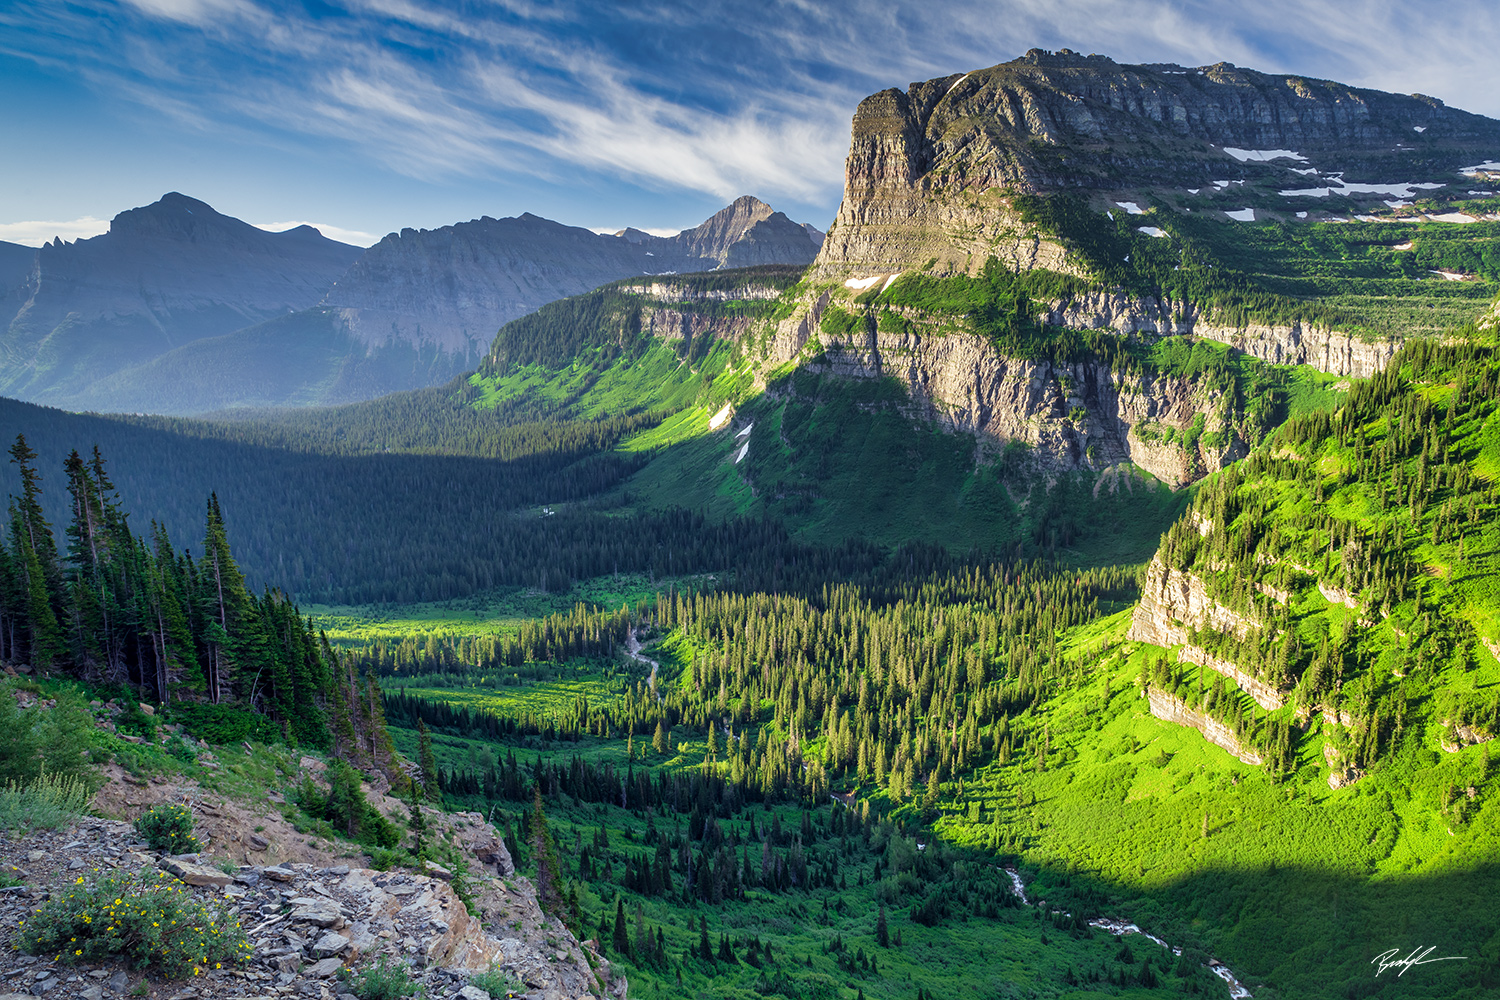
{"x":1071,"y":416}
{"x":1172,"y":600}
{"x":1291,"y":344}
{"x":1340,"y":774}
{"x":1170,"y":708}
{"x":928,"y":166}
{"x":1266,"y":696}
{"x":307,"y":922}
{"x":1457,"y":736}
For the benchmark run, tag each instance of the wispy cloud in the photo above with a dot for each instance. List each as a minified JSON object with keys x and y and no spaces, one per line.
{"x":34,"y":234}
{"x":719,"y":97}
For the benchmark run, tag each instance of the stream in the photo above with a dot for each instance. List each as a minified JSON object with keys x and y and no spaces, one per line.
{"x":633,"y":650}
{"x":1117,"y":927}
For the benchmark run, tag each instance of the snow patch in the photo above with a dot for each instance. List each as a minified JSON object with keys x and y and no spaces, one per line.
{"x":1152,"y":231}
{"x":1263,"y":155}
{"x":1342,"y":187}
{"x":718,"y":419}
{"x":1131,"y":207}
{"x":1458,"y":217}
{"x":1451,"y":275}
{"x":1419,"y":128}
{"x":1301,"y":215}
{"x":860,"y":284}
{"x":1242,"y":215}
{"x":741,"y":456}
{"x":956,"y":83}
{"x":1487,"y":167}
{"x":1403,"y":246}
{"x":1194,"y":190}
{"x":889,"y":280}
{"x":748,"y":428}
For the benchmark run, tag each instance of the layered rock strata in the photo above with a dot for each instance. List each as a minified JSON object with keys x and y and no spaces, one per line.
{"x":1172,"y":600}
{"x":1170,"y":708}
{"x":923,"y":162}
{"x":1072,"y":416}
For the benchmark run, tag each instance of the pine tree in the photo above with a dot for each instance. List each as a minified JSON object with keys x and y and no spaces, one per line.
{"x":544,"y":853}
{"x":227,"y":603}
{"x":882,"y":930}
{"x":621,"y":940}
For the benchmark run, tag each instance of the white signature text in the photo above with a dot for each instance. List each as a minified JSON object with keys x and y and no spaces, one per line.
{"x":1418,"y":956}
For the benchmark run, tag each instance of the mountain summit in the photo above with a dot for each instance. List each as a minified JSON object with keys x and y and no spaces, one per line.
{"x":181,"y":309}
{"x":934,"y":159}
{"x":167,"y":274}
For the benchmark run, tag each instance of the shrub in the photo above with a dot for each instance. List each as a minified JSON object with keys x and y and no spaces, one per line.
{"x":498,"y":984}
{"x":34,"y":741}
{"x":146,"y":919}
{"x":224,"y":724}
{"x":385,"y":979}
{"x":168,"y":828}
{"x":383,"y":859}
{"x":47,"y":803}
{"x":345,"y":810}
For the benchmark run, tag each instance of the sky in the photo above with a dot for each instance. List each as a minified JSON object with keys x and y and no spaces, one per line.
{"x":363,"y":117}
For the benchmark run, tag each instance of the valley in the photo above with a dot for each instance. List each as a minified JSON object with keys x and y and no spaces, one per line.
{"x":1095,"y":533}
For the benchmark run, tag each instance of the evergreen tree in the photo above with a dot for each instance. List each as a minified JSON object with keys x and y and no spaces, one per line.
{"x":621,"y":940}
{"x":227,"y":604}
{"x":544,"y":853}
{"x":882,"y":931}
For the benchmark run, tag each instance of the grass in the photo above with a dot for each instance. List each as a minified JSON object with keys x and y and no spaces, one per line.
{"x":484,"y":613}
{"x":46,"y":803}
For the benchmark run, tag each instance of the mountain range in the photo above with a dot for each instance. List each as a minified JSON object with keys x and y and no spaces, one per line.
{"x":179,"y":308}
{"x":1106,"y":518}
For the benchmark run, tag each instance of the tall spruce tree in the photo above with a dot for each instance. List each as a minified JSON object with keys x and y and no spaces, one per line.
{"x":227,"y":603}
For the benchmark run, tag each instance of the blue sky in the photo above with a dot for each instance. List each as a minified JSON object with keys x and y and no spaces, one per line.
{"x":364,"y":116}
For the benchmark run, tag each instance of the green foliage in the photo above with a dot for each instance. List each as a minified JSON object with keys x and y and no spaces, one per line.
{"x":386,"y":978}
{"x":44,"y":803}
{"x":148,"y":920}
{"x":40,"y":741}
{"x":498,"y":985}
{"x":168,"y":828}
{"x":346,"y":811}
{"x":224,"y":723}
{"x":607,"y":321}
{"x":1347,"y":276}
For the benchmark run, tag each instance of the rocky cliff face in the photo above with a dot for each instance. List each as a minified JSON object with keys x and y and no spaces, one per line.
{"x":16,"y":263}
{"x":933,"y":172}
{"x":1169,"y":708}
{"x":173,"y":272}
{"x":922,"y":161}
{"x":1295,"y":344}
{"x":1172,"y":600}
{"x":1077,"y":416}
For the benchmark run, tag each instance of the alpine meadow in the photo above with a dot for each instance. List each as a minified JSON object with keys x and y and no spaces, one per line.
{"x":1074,"y":574}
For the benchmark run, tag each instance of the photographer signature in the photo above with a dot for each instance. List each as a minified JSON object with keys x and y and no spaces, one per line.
{"x":1418,"y":956}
